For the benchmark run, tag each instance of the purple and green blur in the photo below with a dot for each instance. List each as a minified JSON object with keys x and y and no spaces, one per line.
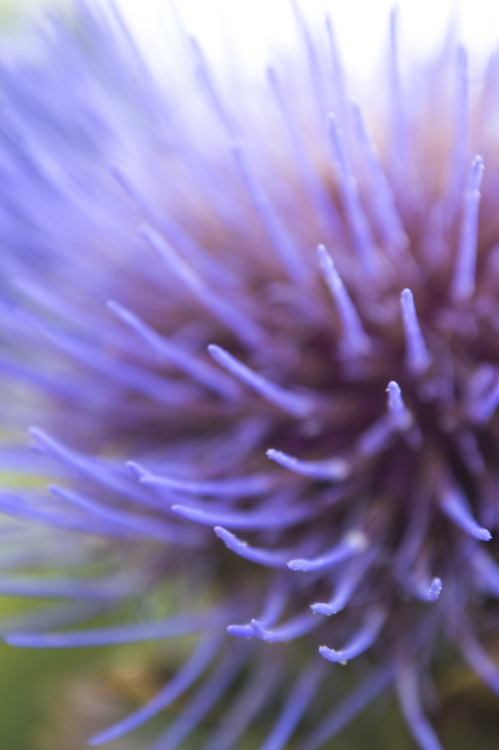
{"x":257,"y":351}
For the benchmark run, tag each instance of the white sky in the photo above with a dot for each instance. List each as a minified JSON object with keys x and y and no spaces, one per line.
{"x":361,"y":24}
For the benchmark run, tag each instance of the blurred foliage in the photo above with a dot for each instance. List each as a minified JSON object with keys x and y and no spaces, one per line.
{"x":54,"y":700}
{"x":27,"y":679}
{"x":14,"y":11}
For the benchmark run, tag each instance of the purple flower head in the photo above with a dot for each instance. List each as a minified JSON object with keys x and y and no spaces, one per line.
{"x":260,"y":347}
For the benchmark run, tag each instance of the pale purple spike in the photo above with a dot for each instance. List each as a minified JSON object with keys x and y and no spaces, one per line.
{"x":417,"y":356}
{"x":137,"y":379}
{"x":201,"y":371}
{"x":410,"y":702}
{"x":455,"y":506}
{"x":399,"y":136}
{"x":481,"y":379}
{"x":15,"y":506}
{"x":484,"y":405}
{"x":58,"y":616}
{"x":208,"y":514}
{"x":56,"y":305}
{"x":339,"y":83}
{"x":357,"y":221}
{"x":460,"y":148}
{"x":172,"y":627}
{"x":134,"y":50}
{"x":477,"y":658}
{"x":354,"y":340}
{"x":415,"y":533}
{"x":381,"y":196}
{"x":296,"y":705}
{"x":471,"y":453}
{"x":310,"y":178}
{"x":351,"y":577}
{"x":313,"y":59}
{"x":207,"y":696}
{"x":294,"y":403}
{"x":205,"y":76}
{"x":294,"y":628}
{"x":142,"y":526}
{"x":208,"y":265}
{"x":338,"y":601}
{"x":361,"y":641}
{"x":463,"y":283}
{"x":246,"y":329}
{"x":427,"y":592}
{"x":289,"y":253}
{"x":277,"y":599}
{"x":397,"y":410}
{"x":268,"y":558}
{"x":258,"y":484}
{"x":185,"y":677}
{"x":247,"y":705}
{"x":26,"y":558}
{"x":107,"y":475}
{"x":349,"y":708}
{"x":435,"y":589}
{"x":246,"y":437}
{"x":352,"y":544}
{"x":486,"y":572}
{"x":103,"y":589}
{"x":375,"y":439}
{"x":330,"y":469}
{"x":241,"y":631}
{"x":43,"y":381}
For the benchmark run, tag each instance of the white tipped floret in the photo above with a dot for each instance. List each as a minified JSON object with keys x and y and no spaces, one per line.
{"x":463,"y":284}
{"x":354,"y":341}
{"x":417,"y":356}
{"x":397,"y":410}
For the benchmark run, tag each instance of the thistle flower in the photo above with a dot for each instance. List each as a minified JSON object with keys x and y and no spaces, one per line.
{"x":261,"y":349}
